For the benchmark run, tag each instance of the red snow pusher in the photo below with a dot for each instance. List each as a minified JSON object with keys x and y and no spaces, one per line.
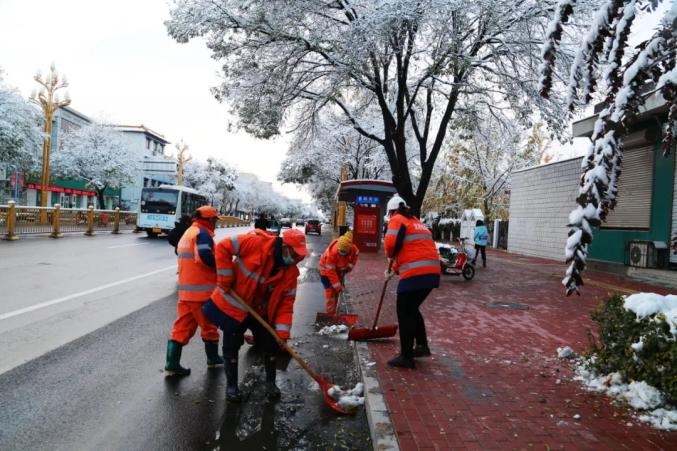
{"x":387,"y":331}
{"x":330,"y":319}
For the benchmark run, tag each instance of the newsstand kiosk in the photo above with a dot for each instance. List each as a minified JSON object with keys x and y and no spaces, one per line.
{"x":368,"y":198}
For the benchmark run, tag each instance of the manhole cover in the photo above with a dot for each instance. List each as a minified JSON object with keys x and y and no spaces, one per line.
{"x":510,"y":305}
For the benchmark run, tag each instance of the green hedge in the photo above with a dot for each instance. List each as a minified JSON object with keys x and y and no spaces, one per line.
{"x":655,"y":363}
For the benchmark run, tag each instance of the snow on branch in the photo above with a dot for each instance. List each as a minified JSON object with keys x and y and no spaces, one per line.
{"x":652,"y":64}
{"x":563,"y":11}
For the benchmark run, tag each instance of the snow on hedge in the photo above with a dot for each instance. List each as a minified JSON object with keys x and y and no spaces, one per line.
{"x":649,"y":304}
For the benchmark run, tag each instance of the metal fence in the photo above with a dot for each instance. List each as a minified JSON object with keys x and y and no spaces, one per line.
{"x":21,"y":220}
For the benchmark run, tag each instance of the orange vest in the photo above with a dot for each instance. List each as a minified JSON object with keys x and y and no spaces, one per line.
{"x":331,"y":262}
{"x":243,"y":264}
{"x":418,"y":255}
{"x":196,"y":280}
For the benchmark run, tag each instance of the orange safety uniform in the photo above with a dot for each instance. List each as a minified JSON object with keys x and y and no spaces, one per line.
{"x":243,"y":264}
{"x":332,"y":267}
{"x":196,"y":282}
{"x":418,"y":255}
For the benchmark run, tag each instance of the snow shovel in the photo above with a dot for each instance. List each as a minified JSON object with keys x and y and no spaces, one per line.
{"x":362,"y":333}
{"x":329,"y":319}
{"x":324,"y":384}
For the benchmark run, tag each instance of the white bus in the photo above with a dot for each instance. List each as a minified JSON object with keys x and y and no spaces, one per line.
{"x":161,"y":207}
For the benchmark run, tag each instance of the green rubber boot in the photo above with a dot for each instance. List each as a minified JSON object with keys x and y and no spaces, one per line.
{"x":213,"y":357}
{"x":173,"y":366}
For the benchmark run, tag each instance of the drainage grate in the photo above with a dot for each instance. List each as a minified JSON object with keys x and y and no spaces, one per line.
{"x":510,"y":305}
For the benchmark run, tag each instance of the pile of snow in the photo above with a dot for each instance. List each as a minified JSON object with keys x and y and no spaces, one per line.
{"x":566,"y":353}
{"x":333,"y":330}
{"x":649,"y":304}
{"x":639,"y":395}
{"x":348,"y":399}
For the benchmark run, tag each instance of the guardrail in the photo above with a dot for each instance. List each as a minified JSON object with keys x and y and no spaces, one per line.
{"x":231,"y":221}
{"x":21,"y":220}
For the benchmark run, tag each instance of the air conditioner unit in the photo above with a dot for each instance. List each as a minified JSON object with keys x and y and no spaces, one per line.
{"x":641,"y":254}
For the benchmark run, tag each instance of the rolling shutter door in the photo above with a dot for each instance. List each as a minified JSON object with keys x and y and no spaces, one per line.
{"x":635,"y":186}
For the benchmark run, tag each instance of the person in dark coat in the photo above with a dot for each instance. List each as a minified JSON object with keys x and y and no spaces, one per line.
{"x":179,"y":229}
{"x":261,"y":222}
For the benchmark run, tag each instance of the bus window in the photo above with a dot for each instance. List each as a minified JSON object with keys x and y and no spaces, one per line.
{"x":154,"y":200}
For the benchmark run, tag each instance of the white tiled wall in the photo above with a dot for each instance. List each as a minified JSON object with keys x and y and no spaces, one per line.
{"x":541,"y":199}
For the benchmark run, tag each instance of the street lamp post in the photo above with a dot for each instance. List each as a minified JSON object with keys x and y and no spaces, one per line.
{"x":182,"y":157}
{"x":48,"y":100}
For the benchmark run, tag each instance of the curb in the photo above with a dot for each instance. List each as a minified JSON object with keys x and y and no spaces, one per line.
{"x":381,"y":429}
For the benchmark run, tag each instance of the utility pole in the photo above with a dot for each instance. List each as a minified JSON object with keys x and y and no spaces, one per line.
{"x":48,"y":100}
{"x":182,"y":157}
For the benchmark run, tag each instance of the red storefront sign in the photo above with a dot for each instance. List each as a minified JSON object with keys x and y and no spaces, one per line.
{"x":58,"y":189}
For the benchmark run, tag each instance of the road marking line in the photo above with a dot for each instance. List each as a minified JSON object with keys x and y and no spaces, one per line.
{"x":126,"y":245}
{"x":82,"y":293}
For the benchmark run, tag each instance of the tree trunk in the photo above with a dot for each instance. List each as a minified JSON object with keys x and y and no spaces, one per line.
{"x":100,"y":197}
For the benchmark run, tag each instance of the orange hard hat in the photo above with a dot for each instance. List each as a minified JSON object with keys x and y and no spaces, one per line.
{"x":207,"y":211}
{"x":296,"y":240}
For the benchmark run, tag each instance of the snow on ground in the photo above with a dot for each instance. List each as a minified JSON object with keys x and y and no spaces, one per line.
{"x":639,"y":395}
{"x":649,"y":304}
{"x":566,"y":353}
{"x":333,"y":330}
{"x":348,"y":399}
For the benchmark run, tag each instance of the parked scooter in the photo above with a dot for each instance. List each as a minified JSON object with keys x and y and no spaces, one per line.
{"x":457,"y":261}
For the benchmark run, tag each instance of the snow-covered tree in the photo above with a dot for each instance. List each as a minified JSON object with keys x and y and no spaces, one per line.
{"x":213,"y":178}
{"x":418,"y":63}
{"x":480,"y":158}
{"x":630,"y":75}
{"x":252,"y":195}
{"x":317,"y":154}
{"x":97,"y":154}
{"x":21,"y":135}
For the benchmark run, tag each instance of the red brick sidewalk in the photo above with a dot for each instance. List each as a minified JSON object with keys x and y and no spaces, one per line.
{"x":494,"y":381}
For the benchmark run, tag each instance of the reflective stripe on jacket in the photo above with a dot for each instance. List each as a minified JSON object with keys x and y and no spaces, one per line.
{"x":243,"y":264}
{"x":331,"y":263}
{"x":418,"y":255}
{"x":196,"y":279}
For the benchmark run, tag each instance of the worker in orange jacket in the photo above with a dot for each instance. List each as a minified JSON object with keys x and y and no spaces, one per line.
{"x":415,"y":258}
{"x":197,"y":279}
{"x":261,"y":268}
{"x":338,"y":259}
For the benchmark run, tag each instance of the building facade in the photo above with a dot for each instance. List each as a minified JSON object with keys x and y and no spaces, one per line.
{"x":69,"y":193}
{"x":640,"y":231}
{"x":157,"y":168}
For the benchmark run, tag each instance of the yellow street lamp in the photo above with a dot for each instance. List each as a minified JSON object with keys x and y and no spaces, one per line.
{"x":48,"y":100}
{"x":182,"y":157}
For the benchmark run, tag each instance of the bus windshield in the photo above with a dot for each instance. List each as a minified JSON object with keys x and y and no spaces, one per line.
{"x":157,"y":200}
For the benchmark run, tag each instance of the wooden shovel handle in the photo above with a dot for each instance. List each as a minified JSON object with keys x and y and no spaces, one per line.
{"x":272,"y":332}
{"x":383,"y":294}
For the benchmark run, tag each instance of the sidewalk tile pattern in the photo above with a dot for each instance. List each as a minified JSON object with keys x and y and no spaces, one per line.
{"x":494,"y":380}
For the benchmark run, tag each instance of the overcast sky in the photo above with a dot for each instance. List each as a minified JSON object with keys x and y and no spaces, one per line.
{"x":122,"y":65}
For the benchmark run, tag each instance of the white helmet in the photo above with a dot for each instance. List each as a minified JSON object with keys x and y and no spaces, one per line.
{"x":395,"y":202}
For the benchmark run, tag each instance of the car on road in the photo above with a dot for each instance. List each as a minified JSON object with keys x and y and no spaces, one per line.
{"x":300,"y":222}
{"x":285,"y":223}
{"x":273,"y":227}
{"x":314,"y":226}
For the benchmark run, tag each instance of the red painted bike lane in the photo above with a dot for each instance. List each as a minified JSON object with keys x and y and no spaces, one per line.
{"x":494,"y":380}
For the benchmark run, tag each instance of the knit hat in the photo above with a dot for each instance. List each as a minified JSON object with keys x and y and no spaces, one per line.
{"x":345,"y":242}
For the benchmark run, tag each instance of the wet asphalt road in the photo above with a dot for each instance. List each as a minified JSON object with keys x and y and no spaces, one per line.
{"x":106,"y":390}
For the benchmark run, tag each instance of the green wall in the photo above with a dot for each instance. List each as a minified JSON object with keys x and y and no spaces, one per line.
{"x":609,"y":244}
